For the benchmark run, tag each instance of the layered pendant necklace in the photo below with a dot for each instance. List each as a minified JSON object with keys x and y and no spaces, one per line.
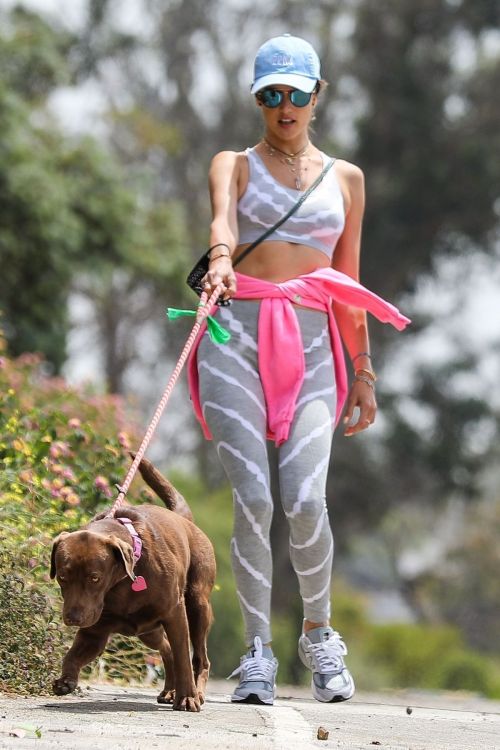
{"x":292,"y":161}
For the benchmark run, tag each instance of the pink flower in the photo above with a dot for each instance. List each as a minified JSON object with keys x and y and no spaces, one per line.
{"x":59,"y":448}
{"x":29,"y":358}
{"x":102,"y":484}
{"x":68,"y":474}
{"x":123,"y":439}
{"x":74,"y":423}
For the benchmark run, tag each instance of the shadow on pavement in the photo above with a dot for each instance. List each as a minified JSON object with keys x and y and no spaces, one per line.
{"x":111,"y":704}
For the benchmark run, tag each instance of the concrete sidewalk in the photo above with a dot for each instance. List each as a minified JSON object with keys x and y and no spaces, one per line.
{"x":105,"y":717}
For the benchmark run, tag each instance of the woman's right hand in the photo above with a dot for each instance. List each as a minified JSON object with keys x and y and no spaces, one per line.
{"x":220,"y":271}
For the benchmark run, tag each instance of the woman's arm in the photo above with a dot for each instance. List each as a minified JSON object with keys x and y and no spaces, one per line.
{"x":223,"y":185}
{"x":352,"y":321}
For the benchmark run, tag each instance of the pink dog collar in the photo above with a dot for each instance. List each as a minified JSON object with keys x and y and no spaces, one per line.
{"x":138,"y":582}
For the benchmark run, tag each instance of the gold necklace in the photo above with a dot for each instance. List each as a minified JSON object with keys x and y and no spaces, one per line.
{"x":300,"y":152}
{"x":290,"y":160}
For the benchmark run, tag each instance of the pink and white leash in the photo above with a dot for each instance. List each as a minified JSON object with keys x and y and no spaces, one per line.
{"x":203,"y":311}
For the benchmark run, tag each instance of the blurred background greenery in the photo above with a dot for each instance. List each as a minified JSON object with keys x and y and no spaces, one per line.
{"x":110,"y":113}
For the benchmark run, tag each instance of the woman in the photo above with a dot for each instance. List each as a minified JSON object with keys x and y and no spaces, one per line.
{"x":282,"y":374}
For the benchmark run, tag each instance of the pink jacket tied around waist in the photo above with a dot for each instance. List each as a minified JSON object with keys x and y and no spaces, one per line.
{"x":278,"y":331}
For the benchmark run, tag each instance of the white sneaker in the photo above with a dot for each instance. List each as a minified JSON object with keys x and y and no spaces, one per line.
{"x":257,"y":672}
{"x":322,"y":651}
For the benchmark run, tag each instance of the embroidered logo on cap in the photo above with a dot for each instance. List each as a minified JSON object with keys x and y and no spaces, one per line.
{"x":282,"y":59}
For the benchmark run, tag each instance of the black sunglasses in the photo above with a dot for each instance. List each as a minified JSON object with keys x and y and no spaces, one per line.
{"x":272,"y":98}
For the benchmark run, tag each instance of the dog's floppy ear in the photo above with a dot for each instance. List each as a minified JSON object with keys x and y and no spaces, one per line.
{"x":61,"y":536}
{"x":123,"y":552}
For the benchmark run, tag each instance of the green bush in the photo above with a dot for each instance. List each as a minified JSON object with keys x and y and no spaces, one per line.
{"x":413,"y":652}
{"x":465,"y":670}
{"x":430,"y":657}
{"x":32,"y":641}
{"x":61,"y":451}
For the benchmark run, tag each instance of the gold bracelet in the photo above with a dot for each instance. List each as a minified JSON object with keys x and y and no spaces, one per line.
{"x":222,"y":255}
{"x":364,"y":379}
{"x":370,"y":373}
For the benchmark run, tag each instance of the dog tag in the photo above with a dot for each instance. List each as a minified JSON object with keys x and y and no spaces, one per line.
{"x":139,"y":584}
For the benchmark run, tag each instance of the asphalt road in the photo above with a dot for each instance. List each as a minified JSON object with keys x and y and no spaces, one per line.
{"x":106,"y":717}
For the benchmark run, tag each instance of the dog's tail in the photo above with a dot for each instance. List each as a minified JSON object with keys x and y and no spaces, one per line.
{"x":164,"y":489}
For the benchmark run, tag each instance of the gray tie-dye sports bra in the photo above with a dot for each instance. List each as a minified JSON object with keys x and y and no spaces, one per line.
{"x":318,"y":222}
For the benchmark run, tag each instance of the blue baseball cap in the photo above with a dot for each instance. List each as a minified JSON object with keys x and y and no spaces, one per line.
{"x":287,"y":60}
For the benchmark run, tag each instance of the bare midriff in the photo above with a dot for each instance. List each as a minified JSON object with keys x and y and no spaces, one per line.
{"x":277,"y":261}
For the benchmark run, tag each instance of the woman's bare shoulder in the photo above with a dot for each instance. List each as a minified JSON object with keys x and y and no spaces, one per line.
{"x":232,"y":167}
{"x":351,"y":172}
{"x":229,"y":158}
{"x":352,"y":182}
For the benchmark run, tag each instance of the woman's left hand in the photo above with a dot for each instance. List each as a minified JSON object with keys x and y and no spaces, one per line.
{"x":363,"y":396}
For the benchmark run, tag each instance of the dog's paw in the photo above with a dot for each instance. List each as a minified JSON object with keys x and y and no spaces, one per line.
{"x":187,"y":703}
{"x":63,"y":686}
{"x":166,"y":697}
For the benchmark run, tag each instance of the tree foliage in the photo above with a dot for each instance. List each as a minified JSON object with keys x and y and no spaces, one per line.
{"x":68,"y":214}
{"x":428,"y":139}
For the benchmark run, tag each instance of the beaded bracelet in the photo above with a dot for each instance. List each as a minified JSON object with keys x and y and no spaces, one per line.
{"x":368,"y":381}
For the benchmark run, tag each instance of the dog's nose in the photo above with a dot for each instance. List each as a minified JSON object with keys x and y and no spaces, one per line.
{"x":73,"y":616}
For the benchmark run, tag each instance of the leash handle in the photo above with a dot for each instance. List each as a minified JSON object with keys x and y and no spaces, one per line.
{"x":204,"y":308}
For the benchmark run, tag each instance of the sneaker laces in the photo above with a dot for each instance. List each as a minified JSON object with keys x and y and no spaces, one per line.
{"x":329,"y":654}
{"x":256,"y":666}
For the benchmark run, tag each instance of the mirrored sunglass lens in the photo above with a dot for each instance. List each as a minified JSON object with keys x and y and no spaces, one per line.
{"x":271,"y":98}
{"x":299,"y":98}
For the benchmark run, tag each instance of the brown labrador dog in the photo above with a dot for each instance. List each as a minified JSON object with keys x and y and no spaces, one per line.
{"x":96,"y":569}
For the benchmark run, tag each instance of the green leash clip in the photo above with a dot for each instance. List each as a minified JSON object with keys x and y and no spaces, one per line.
{"x":217,"y":333}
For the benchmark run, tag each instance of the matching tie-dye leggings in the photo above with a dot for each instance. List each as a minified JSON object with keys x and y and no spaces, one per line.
{"x":235,"y":410}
